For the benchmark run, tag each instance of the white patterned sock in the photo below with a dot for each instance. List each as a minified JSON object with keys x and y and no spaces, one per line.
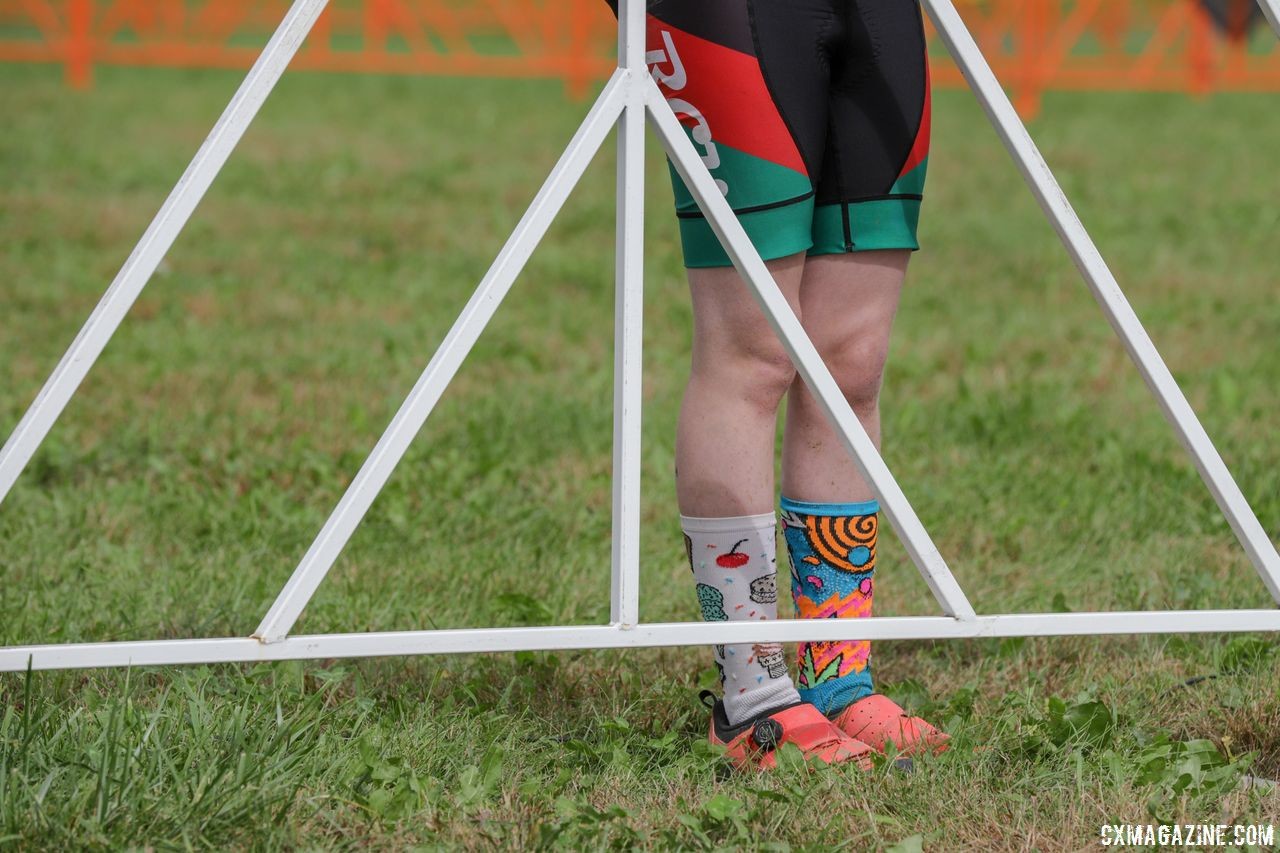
{"x":734,"y":562}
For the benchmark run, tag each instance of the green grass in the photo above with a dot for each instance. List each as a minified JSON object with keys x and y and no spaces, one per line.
{"x":224,"y":420}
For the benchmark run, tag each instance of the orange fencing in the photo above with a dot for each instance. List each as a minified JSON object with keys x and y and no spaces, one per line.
{"x":1034,"y":45}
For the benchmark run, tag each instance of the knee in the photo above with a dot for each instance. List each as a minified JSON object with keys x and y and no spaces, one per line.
{"x":759,"y":374}
{"x":771,"y":375}
{"x":858,"y":367}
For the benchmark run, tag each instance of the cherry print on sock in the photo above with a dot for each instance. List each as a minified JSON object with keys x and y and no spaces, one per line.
{"x":735,"y":559}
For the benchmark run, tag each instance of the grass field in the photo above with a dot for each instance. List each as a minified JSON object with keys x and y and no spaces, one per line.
{"x":205,"y":449}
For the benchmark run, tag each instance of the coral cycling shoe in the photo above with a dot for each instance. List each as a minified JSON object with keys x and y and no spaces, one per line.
{"x":878,"y":721}
{"x":750,"y":745}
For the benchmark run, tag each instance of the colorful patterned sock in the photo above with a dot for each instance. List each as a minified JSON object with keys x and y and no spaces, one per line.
{"x":832,"y":548}
{"x":735,"y":566}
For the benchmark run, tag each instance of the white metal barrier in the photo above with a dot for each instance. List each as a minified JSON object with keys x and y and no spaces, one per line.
{"x":627,"y":99}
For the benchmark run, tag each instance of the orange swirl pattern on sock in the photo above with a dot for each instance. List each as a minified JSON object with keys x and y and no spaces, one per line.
{"x":833,"y":537}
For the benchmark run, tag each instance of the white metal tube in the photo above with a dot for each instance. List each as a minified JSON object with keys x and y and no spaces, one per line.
{"x":1271,"y":9}
{"x":808,"y":363}
{"x":631,"y":34}
{"x":473,"y":640}
{"x":1107,"y":292}
{"x":444,"y":364}
{"x":624,"y":594}
{"x":155,"y":242}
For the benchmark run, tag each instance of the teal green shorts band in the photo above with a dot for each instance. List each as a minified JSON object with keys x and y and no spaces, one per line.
{"x":776,"y":232}
{"x":885,"y":223}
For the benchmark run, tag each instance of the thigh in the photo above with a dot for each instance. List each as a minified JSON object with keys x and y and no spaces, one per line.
{"x":872,"y":182}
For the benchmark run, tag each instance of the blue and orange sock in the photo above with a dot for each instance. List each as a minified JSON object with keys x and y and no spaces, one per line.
{"x":832,"y":549}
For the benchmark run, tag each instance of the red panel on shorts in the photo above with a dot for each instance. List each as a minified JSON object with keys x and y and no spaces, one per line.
{"x":920,"y":148}
{"x":727,"y":87}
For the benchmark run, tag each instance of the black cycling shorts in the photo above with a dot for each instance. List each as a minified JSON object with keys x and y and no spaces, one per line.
{"x":812,"y":115}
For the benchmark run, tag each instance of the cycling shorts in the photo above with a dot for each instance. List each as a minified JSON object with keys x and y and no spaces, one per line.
{"x":812,"y":116}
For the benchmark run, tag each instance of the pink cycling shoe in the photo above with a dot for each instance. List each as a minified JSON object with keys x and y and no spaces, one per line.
{"x":878,"y":721}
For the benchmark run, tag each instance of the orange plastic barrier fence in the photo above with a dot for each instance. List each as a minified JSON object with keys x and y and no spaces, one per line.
{"x":1034,"y":45}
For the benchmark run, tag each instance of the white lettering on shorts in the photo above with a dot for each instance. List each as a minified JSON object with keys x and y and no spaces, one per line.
{"x":676,"y":80}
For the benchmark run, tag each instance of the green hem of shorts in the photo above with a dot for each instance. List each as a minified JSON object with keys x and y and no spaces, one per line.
{"x":775,"y":232}
{"x":888,"y":223}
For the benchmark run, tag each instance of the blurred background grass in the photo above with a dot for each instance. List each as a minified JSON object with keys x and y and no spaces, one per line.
{"x":224,"y":420}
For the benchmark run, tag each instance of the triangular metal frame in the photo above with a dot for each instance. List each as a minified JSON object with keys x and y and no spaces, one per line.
{"x":626,"y":100}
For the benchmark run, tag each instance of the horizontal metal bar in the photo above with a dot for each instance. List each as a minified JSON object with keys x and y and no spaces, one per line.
{"x":471,"y":640}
